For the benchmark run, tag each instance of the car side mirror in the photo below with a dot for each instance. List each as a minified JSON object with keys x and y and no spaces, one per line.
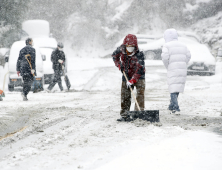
{"x":6,"y":59}
{"x":219,"y":52}
{"x":43,"y":57}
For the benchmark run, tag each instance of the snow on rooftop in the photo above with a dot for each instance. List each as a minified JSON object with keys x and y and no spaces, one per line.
{"x":36,"y":28}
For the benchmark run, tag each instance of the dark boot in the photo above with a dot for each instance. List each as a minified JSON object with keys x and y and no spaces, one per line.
{"x":24,"y":97}
{"x":60,"y":86}
{"x":125,"y":119}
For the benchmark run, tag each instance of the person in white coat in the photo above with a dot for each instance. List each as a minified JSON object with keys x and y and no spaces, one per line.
{"x":175,"y":56}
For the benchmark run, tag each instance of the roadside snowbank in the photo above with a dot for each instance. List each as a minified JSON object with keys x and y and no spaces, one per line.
{"x":191,"y":150}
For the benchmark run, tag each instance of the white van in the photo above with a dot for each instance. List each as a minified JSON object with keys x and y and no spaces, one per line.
{"x":39,"y":31}
{"x":14,"y":80}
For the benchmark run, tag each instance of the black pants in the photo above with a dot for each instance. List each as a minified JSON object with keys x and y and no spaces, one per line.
{"x":27,"y":83}
{"x":56,"y":79}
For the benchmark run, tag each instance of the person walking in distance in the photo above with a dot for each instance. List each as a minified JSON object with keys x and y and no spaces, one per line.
{"x":130,"y":60}
{"x":26,"y":67}
{"x":175,"y":56}
{"x":58,"y":64}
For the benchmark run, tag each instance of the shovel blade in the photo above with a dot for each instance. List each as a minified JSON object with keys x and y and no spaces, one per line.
{"x":148,"y":115}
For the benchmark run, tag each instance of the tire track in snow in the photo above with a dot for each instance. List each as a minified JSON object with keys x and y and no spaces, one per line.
{"x":94,"y":79}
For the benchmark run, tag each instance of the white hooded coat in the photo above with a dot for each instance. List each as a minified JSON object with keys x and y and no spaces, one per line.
{"x":175,"y":57}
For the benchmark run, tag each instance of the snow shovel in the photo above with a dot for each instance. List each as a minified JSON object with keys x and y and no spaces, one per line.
{"x":149,"y":115}
{"x":36,"y":89}
{"x":68,"y":85}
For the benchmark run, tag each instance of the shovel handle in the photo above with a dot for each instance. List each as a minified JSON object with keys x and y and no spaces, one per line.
{"x":26,"y":56}
{"x":132,"y":92}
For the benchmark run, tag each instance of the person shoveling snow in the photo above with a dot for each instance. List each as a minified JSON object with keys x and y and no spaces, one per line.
{"x":130,"y":60}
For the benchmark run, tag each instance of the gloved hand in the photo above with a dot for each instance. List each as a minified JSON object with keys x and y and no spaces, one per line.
{"x":18,"y":72}
{"x":128,"y":84}
{"x":32,"y":71}
{"x":63,"y":67}
{"x":60,"y":61}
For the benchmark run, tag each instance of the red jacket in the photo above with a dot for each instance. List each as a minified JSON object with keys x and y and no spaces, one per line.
{"x":133,"y":66}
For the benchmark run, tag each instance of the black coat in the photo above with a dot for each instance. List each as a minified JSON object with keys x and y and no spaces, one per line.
{"x":140,"y":57}
{"x":22,"y":63}
{"x":57,"y":55}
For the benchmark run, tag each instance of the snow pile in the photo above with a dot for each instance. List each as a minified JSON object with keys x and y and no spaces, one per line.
{"x":187,"y":151}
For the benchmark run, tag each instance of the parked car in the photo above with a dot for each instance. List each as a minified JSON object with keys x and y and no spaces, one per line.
{"x":14,"y":80}
{"x":189,"y":35}
{"x":202,"y":61}
{"x":39,"y":31}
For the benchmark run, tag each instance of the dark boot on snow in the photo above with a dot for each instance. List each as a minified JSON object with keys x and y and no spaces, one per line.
{"x":175,"y":112}
{"x":24,"y":97}
{"x":124,"y":119}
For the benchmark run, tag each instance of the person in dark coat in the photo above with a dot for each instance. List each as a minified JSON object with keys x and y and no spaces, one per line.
{"x":58,"y":64}
{"x":129,"y":59}
{"x":24,"y":69}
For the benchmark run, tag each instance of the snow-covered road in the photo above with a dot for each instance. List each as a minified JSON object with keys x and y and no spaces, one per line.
{"x":78,"y":129}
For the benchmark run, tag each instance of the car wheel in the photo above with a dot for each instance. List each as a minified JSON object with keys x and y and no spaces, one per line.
{"x":11,"y":87}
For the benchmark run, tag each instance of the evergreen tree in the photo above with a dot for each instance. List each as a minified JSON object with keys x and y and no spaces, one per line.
{"x":11,"y":15}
